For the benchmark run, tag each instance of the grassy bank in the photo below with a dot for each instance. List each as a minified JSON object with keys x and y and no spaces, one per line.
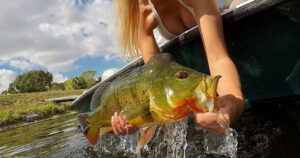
{"x":14,"y":108}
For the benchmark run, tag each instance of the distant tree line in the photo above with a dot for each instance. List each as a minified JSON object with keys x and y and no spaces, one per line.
{"x":39,"y":80}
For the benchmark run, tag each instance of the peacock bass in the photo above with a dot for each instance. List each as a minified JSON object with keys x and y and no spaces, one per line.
{"x":161,"y":91}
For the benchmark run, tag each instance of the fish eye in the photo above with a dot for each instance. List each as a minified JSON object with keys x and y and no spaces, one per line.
{"x":181,"y":75}
{"x":88,"y":122}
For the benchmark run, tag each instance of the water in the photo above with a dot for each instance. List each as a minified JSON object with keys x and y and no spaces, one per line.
{"x":41,"y":139}
{"x":265,"y":133}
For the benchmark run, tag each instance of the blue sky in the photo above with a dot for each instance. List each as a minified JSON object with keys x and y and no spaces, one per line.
{"x":94,"y":63}
{"x":63,"y":37}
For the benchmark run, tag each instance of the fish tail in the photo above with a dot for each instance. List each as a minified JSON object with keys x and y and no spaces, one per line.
{"x":90,"y":132}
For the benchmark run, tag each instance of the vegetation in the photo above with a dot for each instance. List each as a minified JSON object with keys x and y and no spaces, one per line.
{"x":39,"y":81}
{"x":31,"y":81}
{"x":85,"y":80}
{"x":79,"y":83}
{"x":57,"y":86}
{"x":68,"y":84}
{"x":27,"y":93}
{"x":14,"y":107}
{"x":88,"y":77}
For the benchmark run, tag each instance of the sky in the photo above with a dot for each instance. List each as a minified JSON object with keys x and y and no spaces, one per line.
{"x":64,"y":37}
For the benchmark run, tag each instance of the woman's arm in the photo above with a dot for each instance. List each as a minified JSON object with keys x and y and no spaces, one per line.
{"x":230,"y":103}
{"x":148,"y":48}
{"x":147,"y":23}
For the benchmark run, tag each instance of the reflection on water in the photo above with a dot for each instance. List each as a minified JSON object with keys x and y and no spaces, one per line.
{"x":40,"y":139}
{"x":61,"y":138}
{"x":265,"y":133}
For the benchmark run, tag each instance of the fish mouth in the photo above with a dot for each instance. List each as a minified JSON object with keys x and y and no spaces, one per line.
{"x":92,"y":135}
{"x":202,"y":100}
{"x":205,"y":93}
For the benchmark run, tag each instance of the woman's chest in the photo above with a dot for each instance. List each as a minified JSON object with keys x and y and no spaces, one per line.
{"x":175,"y":17}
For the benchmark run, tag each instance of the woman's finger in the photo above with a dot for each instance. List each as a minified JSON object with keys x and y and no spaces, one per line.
{"x":209,"y":121}
{"x":118,"y":124}
{"x":114,"y":126}
{"x":222,"y":120}
{"x":122,"y":122}
{"x":205,"y":119}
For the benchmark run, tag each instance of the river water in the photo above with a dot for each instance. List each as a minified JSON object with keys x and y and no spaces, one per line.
{"x":265,"y":134}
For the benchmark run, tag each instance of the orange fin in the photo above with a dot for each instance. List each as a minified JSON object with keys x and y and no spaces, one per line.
{"x":147,"y":135}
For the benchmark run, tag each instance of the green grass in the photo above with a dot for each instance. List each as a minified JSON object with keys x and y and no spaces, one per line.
{"x":14,"y":108}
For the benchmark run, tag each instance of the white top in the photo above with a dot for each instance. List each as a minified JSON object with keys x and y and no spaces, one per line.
{"x":163,"y":30}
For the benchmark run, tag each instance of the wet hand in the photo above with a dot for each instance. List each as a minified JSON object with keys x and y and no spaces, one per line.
{"x":228,"y":109}
{"x":120,"y":127}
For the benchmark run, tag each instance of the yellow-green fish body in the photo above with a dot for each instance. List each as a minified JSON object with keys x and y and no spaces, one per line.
{"x":161,"y":91}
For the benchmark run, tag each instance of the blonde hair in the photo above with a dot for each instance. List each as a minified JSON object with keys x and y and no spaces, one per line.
{"x":127,"y":21}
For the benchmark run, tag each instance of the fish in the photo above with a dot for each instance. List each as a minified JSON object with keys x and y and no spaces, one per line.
{"x":161,"y":91}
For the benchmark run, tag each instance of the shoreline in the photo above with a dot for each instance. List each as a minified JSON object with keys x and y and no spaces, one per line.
{"x":16,"y":108}
{"x":10,"y":126}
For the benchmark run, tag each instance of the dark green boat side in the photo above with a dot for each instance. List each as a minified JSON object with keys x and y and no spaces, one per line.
{"x":263,"y":39}
{"x":265,"y":47}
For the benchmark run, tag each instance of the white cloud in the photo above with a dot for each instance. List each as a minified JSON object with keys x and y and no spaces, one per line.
{"x":108,"y":73}
{"x":6,"y":77}
{"x":54,"y":34}
{"x":109,"y":57}
{"x":59,"y":78}
{"x":21,"y":64}
{"x":2,"y":62}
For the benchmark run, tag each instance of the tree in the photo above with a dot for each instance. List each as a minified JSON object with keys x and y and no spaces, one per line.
{"x":99,"y":79}
{"x":79,"y":83}
{"x":12,"y":88}
{"x":88,"y":77}
{"x":5,"y":92}
{"x":31,"y":81}
{"x":57,"y":86}
{"x":68,"y":84}
{"x":75,"y":83}
{"x":85,"y":80}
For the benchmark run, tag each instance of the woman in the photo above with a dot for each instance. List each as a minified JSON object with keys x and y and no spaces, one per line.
{"x":138,"y":18}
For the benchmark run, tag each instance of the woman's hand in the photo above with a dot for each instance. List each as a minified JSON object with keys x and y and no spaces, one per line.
{"x":227,"y":110}
{"x":120,"y":127}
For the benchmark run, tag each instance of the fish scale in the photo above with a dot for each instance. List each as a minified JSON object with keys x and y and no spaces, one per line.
{"x":161,"y":91}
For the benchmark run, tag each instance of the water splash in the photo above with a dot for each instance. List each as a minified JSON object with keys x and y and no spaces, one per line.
{"x":170,"y":141}
{"x":182,"y":139}
{"x":222,"y":144}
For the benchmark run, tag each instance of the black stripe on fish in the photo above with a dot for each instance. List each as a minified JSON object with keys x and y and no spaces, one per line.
{"x":133,"y":91}
{"x":116,"y":98}
{"x":95,"y":102}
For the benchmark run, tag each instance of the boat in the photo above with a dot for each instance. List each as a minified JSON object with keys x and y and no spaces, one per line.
{"x":263,"y":40}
